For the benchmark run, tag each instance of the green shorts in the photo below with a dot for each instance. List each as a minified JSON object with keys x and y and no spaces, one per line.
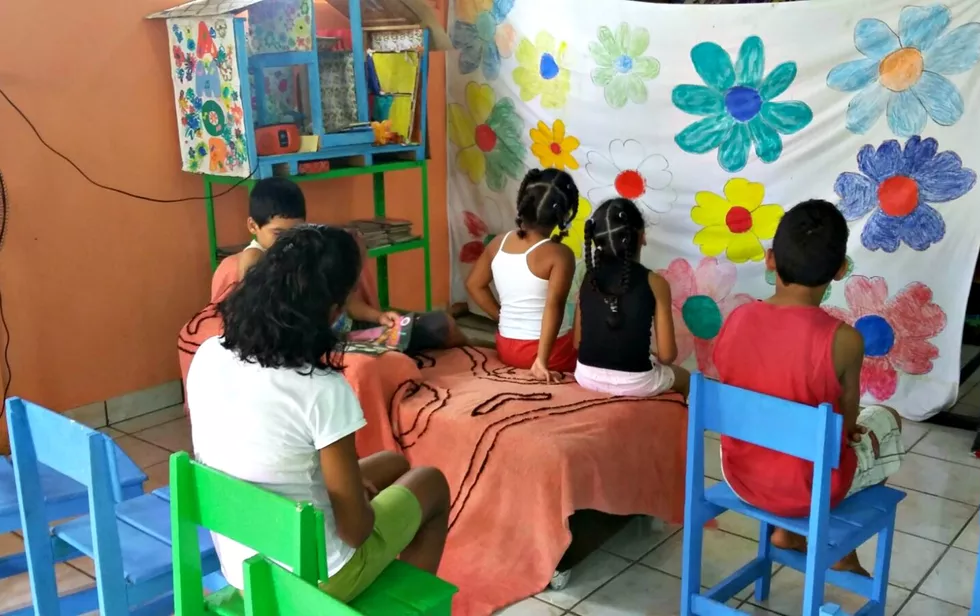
{"x":397,"y":518}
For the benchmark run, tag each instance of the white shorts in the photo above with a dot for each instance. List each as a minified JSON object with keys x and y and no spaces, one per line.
{"x":618,"y":383}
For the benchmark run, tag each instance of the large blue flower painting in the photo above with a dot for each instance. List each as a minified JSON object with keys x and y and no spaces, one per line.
{"x":737,"y":102}
{"x":903,"y":74}
{"x":475,"y":35}
{"x":897,"y":186}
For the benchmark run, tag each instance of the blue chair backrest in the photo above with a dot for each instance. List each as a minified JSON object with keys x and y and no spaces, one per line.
{"x":62,"y":444}
{"x":806,"y":432}
{"x":40,"y":436}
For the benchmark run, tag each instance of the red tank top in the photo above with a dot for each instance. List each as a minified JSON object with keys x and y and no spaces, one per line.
{"x":786,"y":352}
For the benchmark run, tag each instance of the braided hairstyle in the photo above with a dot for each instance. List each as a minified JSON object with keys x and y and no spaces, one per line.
{"x":547,"y":199}
{"x":612,"y":236}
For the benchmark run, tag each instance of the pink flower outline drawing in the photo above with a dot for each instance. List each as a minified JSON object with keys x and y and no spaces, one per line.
{"x":701,"y":300}
{"x":896,"y":331}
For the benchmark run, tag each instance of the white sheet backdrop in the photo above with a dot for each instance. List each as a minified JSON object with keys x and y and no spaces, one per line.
{"x":866,"y":74}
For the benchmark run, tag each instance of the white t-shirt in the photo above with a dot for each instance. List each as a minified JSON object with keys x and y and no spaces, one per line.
{"x":266,"y":426}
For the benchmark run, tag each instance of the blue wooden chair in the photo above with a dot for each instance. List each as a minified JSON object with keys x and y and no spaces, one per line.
{"x":804,"y":432}
{"x":975,"y":604}
{"x":63,"y":498}
{"x":128,"y":540}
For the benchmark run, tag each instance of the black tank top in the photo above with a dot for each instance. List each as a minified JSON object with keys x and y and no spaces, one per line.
{"x":627,"y":347}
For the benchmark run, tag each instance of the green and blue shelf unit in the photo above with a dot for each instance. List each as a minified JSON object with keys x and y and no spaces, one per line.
{"x":260,"y":91}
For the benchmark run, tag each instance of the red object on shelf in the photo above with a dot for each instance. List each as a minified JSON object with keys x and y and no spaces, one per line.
{"x":277,"y":139}
{"x":342,"y":35}
{"x":314,"y":166}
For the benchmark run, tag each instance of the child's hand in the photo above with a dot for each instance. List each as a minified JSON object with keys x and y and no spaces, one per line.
{"x":389,"y":319}
{"x":539,"y":370}
{"x":854,"y":434}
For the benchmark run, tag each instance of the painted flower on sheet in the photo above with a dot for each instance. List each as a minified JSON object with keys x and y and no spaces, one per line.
{"x":897,"y":187}
{"x":488,"y":134}
{"x":481,"y":35}
{"x":553,"y":147}
{"x":738,"y":105}
{"x":897,"y":331}
{"x":631,"y":173}
{"x":576,"y":230}
{"x":903,"y":75}
{"x":701,"y":300}
{"x":737,"y":223}
{"x":771,"y":278}
{"x":542,"y":71}
{"x":479,"y":234}
{"x":621,"y":68}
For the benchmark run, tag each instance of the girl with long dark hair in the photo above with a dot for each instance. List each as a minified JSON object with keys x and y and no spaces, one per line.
{"x":621,"y":305}
{"x":532,"y":272}
{"x":269,"y":405}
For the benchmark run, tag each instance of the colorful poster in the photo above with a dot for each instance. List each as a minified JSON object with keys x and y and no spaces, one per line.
{"x":280,"y":25}
{"x":210,"y":116}
{"x":716,"y":120}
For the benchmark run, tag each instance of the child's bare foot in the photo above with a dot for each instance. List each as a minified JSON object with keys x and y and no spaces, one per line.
{"x":785,"y":540}
{"x":851,"y":564}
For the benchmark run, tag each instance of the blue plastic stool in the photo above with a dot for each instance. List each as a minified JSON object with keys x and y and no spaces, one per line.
{"x":804,"y":432}
{"x":129,"y":540}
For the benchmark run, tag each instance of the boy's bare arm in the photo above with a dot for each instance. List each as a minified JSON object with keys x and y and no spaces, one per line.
{"x":246,"y":260}
{"x":848,"y":359}
{"x":358,"y":310}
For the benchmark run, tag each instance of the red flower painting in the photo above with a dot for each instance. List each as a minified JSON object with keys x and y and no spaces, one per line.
{"x":480,"y":233}
{"x":897,"y":331}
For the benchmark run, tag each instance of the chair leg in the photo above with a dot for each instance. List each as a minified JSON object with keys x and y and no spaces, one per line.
{"x":765,"y":552}
{"x":816,"y":575}
{"x":883,"y":556}
{"x":975,"y":609}
{"x":691,"y":564}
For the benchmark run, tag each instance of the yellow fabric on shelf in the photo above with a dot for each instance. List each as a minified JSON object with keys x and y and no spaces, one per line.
{"x":400,"y":115}
{"x":397,"y":72}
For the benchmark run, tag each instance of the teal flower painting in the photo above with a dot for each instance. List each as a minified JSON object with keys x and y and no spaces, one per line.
{"x":481,"y":36}
{"x":738,"y":104}
{"x":621,"y":68}
{"x":902,"y":74}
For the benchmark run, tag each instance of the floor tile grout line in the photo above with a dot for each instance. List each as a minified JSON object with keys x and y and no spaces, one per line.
{"x":952,"y":500}
{"x":925,"y":455}
{"x":601,"y":586}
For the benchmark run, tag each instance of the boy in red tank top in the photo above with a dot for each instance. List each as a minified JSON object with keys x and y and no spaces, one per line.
{"x":788,"y":347}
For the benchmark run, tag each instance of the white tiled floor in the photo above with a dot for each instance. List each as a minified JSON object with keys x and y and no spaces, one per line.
{"x":933,"y":559}
{"x":636,"y":572}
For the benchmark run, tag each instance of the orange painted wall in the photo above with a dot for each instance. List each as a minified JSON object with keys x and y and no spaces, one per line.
{"x":97,"y":284}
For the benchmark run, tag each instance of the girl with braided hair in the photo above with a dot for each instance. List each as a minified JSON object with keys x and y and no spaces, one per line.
{"x":621,"y":305}
{"x":532,"y":272}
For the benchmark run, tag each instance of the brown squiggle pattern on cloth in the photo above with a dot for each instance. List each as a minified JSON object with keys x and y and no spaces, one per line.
{"x":499,"y":403}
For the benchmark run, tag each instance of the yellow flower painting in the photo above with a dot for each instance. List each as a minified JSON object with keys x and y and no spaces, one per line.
{"x":487,"y":135}
{"x":542,"y":71}
{"x":576,"y":231}
{"x":553,"y":146}
{"x":737,"y":223}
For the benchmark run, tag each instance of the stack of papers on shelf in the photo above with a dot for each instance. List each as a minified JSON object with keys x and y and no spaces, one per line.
{"x":379,"y":232}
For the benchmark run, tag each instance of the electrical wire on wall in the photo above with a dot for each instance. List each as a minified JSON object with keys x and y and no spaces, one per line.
{"x":6,"y":375}
{"x":105,"y":186}
{"x":4,"y":212}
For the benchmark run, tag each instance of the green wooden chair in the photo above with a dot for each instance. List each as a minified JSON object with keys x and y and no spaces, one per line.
{"x":270,"y":590}
{"x":284,"y":531}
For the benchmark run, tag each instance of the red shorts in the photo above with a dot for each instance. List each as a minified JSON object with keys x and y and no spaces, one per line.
{"x":522,"y":353}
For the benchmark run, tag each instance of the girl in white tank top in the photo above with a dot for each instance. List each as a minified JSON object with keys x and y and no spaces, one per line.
{"x":532,"y":272}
